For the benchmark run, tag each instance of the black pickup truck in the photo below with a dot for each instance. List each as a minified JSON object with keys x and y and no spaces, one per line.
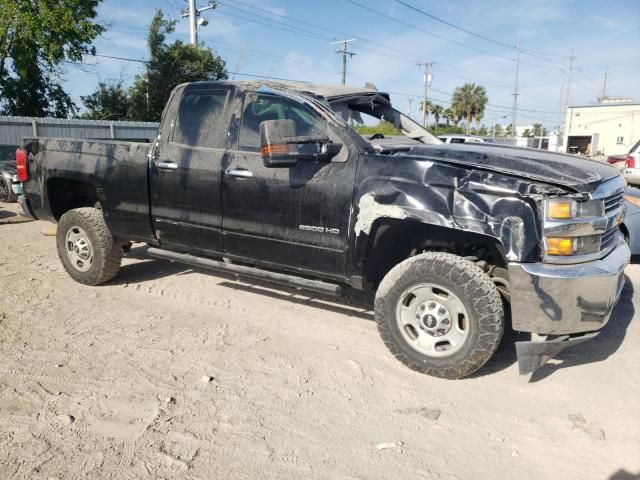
{"x":271,"y":180}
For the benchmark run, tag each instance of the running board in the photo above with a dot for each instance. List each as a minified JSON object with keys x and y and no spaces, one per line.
{"x":230,"y":268}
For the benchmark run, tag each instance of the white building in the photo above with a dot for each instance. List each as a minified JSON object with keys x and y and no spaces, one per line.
{"x":602,"y":129}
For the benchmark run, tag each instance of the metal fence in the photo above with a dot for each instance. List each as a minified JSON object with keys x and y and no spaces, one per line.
{"x":14,"y":129}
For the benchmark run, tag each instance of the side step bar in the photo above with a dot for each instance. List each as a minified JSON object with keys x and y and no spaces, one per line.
{"x":229,"y":268}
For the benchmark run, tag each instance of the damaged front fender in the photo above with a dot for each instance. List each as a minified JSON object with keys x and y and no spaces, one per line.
{"x":492,"y":204}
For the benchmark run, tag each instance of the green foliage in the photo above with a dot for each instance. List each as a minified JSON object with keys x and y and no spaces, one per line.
{"x":469,"y":102}
{"x":497,"y":130}
{"x":444,"y":129}
{"x":382,"y":127}
{"x":437,"y":111}
{"x":169,"y":66}
{"x":452,"y":116}
{"x":539,"y":130}
{"x":509,"y":130}
{"x":35,"y":38}
{"x":109,"y":102}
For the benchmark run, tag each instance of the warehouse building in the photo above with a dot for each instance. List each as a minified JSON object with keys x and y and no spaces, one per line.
{"x":611,"y":127}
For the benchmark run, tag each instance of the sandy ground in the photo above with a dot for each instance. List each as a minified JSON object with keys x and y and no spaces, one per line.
{"x":168,"y":372}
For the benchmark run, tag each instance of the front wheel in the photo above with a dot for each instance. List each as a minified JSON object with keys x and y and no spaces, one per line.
{"x":440,"y":314}
{"x":86,"y":247}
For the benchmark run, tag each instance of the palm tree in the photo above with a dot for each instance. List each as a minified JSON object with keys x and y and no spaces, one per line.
{"x":426,"y":112}
{"x":470,"y":101}
{"x":452,"y":116}
{"x":438,"y":111}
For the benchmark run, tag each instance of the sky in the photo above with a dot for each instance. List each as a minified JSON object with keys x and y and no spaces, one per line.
{"x":471,"y":42}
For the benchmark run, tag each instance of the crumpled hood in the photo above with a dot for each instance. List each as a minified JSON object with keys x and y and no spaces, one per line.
{"x":579,"y":173}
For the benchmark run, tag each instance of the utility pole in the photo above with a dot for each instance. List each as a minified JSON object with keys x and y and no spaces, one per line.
{"x":425,"y":111}
{"x":567,"y":92}
{"x":410,"y":106}
{"x":193,"y":12}
{"x":604,"y":84}
{"x":344,"y":53}
{"x":515,"y":91}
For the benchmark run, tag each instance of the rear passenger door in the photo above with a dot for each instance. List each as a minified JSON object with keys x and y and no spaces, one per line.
{"x":185,"y":172}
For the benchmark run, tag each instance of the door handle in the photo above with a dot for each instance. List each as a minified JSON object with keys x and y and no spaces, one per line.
{"x":238,"y":172}
{"x":167,"y":165}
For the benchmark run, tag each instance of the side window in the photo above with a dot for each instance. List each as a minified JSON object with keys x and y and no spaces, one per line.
{"x":456,"y":140}
{"x":258,"y":108}
{"x":200,"y":119}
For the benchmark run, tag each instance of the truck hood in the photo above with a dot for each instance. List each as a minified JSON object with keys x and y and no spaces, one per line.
{"x":578,"y":173}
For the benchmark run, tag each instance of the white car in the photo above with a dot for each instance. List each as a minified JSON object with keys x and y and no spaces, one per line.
{"x":465,"y":139}
{"x":631,"y":170}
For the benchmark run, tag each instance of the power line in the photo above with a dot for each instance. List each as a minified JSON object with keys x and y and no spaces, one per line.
{"x":457,"y":27}
{"x":377,"y":12}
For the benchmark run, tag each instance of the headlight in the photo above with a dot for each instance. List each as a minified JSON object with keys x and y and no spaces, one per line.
{"x":567,"y":246}
{"x":566,"y":209}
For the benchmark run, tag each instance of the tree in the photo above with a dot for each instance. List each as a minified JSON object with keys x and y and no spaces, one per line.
{"x":508,"y":130}
{"x":527,"y":132}
{"x":483,"y":131}
{"x":539,"y":130}
{"x":438,"y":111}
{"x":169,"y":65}
{"x":497,"y":130}
{"x":469,"y":101}
{"x":109,"y":102}
{"x":429,"y":106}
{"x":452,"y":116}
{"x":36,"y":37}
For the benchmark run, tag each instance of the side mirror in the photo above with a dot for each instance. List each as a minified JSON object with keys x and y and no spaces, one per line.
{"x":279,"y":145}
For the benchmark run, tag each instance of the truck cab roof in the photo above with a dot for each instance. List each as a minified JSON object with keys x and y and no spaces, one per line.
{"x":328,"y":92}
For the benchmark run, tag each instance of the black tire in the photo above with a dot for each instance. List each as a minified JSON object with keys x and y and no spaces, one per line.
{"x":7,"y":194}
{"x":106,"y":252}
{"x":474,"y":289}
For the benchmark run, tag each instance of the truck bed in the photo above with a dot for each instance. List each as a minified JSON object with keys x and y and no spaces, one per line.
{"x":115,"y":170}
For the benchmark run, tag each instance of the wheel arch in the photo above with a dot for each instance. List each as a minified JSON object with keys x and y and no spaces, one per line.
{"x":393,"y":240}
{"x":64,"y":194}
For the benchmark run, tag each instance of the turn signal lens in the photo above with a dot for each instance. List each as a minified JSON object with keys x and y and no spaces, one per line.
{"x":560,"y":246}
{"x":560,"y":209}
{"x":276,"y":149}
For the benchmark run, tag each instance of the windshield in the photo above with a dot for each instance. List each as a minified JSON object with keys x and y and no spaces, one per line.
{"x":382,"y":126}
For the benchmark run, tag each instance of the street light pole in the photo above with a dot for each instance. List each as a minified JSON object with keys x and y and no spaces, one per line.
{"x":193,"y":12}
{"x":193,"y":28}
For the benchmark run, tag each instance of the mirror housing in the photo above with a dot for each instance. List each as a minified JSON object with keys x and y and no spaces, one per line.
{"x":279,"y":145}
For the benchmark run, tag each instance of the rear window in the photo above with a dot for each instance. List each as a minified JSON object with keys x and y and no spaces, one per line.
{"x":635,"y":148}
{"x":200,"y":119}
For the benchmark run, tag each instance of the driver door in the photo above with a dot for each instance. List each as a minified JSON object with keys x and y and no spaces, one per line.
{"x":296,"y":217}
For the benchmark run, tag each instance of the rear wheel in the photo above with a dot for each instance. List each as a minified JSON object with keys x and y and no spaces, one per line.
{"x":440,"y":314}
{"x":6,"y":192}
{"x":86,"y":247}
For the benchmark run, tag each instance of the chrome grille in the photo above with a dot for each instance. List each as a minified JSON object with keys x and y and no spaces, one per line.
{"x":608,"y":239}
{"x":612,"y":205}
{"x":613,"y":202}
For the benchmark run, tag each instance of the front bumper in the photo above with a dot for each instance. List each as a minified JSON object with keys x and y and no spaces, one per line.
{"x":563,"y":299}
